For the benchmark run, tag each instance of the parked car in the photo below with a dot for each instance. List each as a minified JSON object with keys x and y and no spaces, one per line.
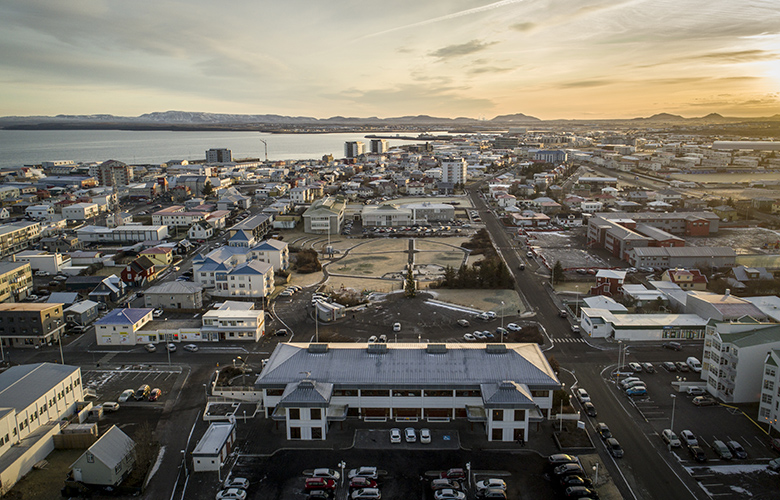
{"x":367,"y":472}
{"x":191,"y":348}
{"x":513,"y":327}
{"x":456,"y":473}
{"x":236,"y":482}
{"x":492,"y":493}
{"x":639,"y":390}
{"x":469,"y":337}
{"x":626,"y":381}
{"x":614,"y":448}
{"x":774,"y":464}
{"x":567,"y":481}
{"x":669,"y":366}
{"x":361,"y":482}
{"x":694,"y":364}
{"x":603,"y":430}
{"x":396,"y":327}
{"x":440,"y":484}
{"x":157,"y":313}
{"x":736,"y":450}
{"x":775,"y":444}
{"x":562,"y":458}
{"x":720,"y":449}
{"x":395,"y":435}
{"x":590,"y":409}
{"x":327,"y":474}
{"x":110,"y":406}
{"x":491,"y":483}
{"x":580,"y":492}
{"x":142,"y":392}
{"x":231,"y":494}
{"x":568,"y":470}
{"x":688,"y":438}
{"x":372,"y":339}
{"x":281,"y":332}
{"x":126,"y":395}
{"x":171,"y":347}
{"x":648,"y":367}
{"x":575,"y":328}
{"x":150,"y":348}
{"x":582,"y":395}
{"x":448,"y":494}
{"x":410,"y":435}
{"x":425,"y":436}
{"x":366,"y":494}
{"x":696,"y":391}
{"x":319,"y":483}
{"x":704,"y":401}
{"x":464,"y":323}
{"x":681,"y":367}
{"x":635,"y":383}
{"x":382,"y":339}
{"x":675,"y":346}
{"x":636,"y":367}
{"x":697,"y":453}
{"x":155,"y":394}
{"x":479,"y":335}
{"x":670,"y":438}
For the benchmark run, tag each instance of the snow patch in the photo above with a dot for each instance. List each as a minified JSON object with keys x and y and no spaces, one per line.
{"x":156,"y":465}
{"x":727,"y":469}
{"x":452,"y":307}
{"x":738,"y":489}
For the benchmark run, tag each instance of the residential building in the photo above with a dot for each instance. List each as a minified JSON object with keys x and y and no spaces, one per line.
{"x":220,"y":268}
{"x":200,"y":231}
{"x":80,"y":211}
{"x":232,"y":199}
{"x":257,"y":225}
{"x":769,"y":404}
{"x":113,"y":173}
{"x":726,"y":213}
{"x":107,"y":462}
{"x":176,"y":216}
{"x":15,"y":281}
{"x":233,"y":321}
{"x":454,"y":170}
{"x":42,"y":212}
{"x":686,"y":279}
{"x":109,"y":290}
{"x":550,"y":156}
{"x":219,"y":156}
{"x":378,"y":146}
{"x":274,"y":252}
{"x":33,"y":398}
{"x":16,"y":236}
{"x":123,"y":234}
{"x":603,"y":323}
{"x":608,"y":282}
{"x":119,"y":326}
{"x":733,"y":360}
{"x":30,"y":324}
{"x":325,"y":215}
{"x":214,"y":448}
{"x":139,"y":272}
{"x":353,"y":149}
{"x":81,"y":313}
{"x":252,"y":279}
{"x":175,"y":295}
{"x":41,"y":260}
{"x":505,"y":387}
{"x":160,"y":256}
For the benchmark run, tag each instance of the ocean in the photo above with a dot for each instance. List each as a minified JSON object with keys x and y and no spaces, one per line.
{"x":31,"y":147}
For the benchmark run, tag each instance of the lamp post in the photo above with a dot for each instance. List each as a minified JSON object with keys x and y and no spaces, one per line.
{"x":674,"y":401}
{"x":502,"y":321}
{"x":560,"y":413}
{"x":316,"y":323}
{"x":342,"y":465}
{"x":596,"y":477}
{"x":577,"y":302}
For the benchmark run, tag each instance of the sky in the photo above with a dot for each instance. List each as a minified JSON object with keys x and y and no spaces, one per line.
{"x":553,"y":59}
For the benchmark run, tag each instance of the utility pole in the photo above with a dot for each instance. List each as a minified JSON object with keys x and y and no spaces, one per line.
{"x":266,"y":148}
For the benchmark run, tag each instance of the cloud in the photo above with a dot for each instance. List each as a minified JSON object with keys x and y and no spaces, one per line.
{"x":488,"y":69}
{"x":462,"y":49}
{"x":738,"y":56}
{"x":523,"y":27}
{"x":585,"y":84}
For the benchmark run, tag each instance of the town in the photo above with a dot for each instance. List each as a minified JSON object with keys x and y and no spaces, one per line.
{"x":530,"y":313}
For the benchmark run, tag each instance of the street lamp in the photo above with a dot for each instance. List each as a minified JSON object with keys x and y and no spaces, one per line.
{"x":560,"y":413}
{"x":502,"y":321}
{"x":596,"y":478}
{"x":342,"y":465}
{"x":674,"y":401}
{"x":577,"y":302}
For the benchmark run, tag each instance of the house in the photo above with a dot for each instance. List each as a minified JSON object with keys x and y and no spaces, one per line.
{"x":234,"y":200}
{"x":175,"y":295}
{"x":111,"y":289}
{"x":30,"y":325}
{"x":139,"y":272}
{"x":33,"y":398}
{"x":39,"y":212}
{"x":41,"y":260}
{"x":726,"y":213}
{"x":608,"y":282}
{"x":213,"y":449}
{"x":161,"y":256}
{"x":686,"y":279}
{"x":234,"y":321}
{"x":108,"y":461}
{"x":119,"y":326}
{"x":274,"y":252}
{"x":251,"y":279}
{"x":505,"y":387}
{"x":81,"y":313}
{"x":200,"y":231}
{"x":325,"y":215}
{"x":258,"y":225}
{"x":745,"y":276}
{"x":67,"y":299}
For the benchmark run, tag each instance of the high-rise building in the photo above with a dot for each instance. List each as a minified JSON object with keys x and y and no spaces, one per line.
{"x":219,"y":156}
{"x":453,"y":170}
{"x":114,"y":173}
{"x":378,"y":146}
{"x":353,"y":149}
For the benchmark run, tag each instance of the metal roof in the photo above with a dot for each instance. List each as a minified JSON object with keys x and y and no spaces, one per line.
{"x":112,"y":447}
{"x":410,"y":365}
{"x":21,"y":386}
{"x":128,"y":315}
{"x":174,"y":287}
{"x":214,"y":438}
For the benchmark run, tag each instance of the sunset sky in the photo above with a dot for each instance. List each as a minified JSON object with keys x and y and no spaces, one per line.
{"x":546,"y":58}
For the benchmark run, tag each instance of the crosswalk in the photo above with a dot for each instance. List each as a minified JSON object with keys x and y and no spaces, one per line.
{"x":566,"y":339}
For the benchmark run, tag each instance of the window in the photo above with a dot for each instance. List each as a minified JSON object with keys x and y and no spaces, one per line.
{"x":375,"y":393}
{"x":519,"y":415}
{"x":404,"y":393}
{"x":438,"y":394}
{"x":467,"y":393}
{"x":540,"y":394}
{"x":768,"y":384}
{"x":316,"y":414}
{"x":316,"y":433}
{"x":497,"y":434}
{"x":766,"y":398}
{"x":498,"y":415}
{"x":345,"y":392}
{"x":274,"y":392}
{"x":294,"y":413}
{"x":295,"y":433}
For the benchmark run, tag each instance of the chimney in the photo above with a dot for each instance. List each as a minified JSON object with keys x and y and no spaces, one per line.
{"x":728,"y":292}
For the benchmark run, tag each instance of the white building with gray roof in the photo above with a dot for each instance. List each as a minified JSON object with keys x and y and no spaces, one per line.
{"x":506,"y":387}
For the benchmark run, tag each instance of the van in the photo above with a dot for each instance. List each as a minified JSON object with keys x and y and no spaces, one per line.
{"x":110,"y":406}
{"x":694,"y":364}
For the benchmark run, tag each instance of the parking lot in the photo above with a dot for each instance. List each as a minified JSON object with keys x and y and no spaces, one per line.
{"x":707,"y":423}
{"x":109,"y":383}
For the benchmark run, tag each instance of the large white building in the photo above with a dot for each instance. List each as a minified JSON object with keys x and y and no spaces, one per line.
{"x":769,"y":405}
{"x":505,"y":387}
{"x":81,"y":211}
{"x":353,"y":149}
{"x":122,"y":326}
{"x":177,"y":216}
{"x":129,"y":233}
{"x":454,"y":170}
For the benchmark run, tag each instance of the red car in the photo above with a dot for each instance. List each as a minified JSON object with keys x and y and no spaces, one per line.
{"x":453,"y":474}
{"x":775,"y":444}
{"x":319,"y":483}
{"x":362,"y":482}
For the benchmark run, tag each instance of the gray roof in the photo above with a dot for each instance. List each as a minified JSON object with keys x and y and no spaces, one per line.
{"x":112,"y":447}
{"x":174,"y":287}
{"x":507,"y":393}
{"x":21,"y":386}
{"x":7,"y":267}
{"x":82,"y":307}
{"x":63,"y":298}
{"x":408,"y":365}
{"x":307,"y":393}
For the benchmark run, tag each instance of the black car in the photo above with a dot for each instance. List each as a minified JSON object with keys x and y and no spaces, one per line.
{"x":675,"y":346}
{"x":569,"y":470}
{"x":736,"y":449}
{"x":580,"y":492}
{"x":697,"y":453}
{"x":567,"y":481}
{"x":590,"y":409}
{"x":603,"y":430}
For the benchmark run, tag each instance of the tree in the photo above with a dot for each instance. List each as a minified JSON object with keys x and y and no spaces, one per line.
{"x":556,"y":367}
{"x":557,"y":274}
{"x":207,"y":190}
{"x":410,"y":288}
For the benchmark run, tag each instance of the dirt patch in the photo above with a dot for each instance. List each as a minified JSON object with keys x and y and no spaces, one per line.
{"x":383,"y":245}
{"x":46,"y":482}
{"x":752,"y":240}
{"x":483,"y":300}
{"x":365,"y":285}
{"x":453,"y":259}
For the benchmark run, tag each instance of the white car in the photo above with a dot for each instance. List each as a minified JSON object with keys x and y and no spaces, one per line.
{"x":236,"y":482}
{"x":191,"y":348}
{"x":671,"y":438}
{"x":583,"y":396}
{"x":689,"y":438}
{"x":492,"y":483}
{"x":479,"y":335}
{"x":469,"y":337}
{"x":157,"y":313}
{"x":410,"y":434}
{"x":372,"y":339}
{"x":231,"y":494}
{"x":395,"y":435}
{"x":366,"y":472}
{"x":513,"y":327}
{"x":326,"y":474}
{"x":396,"y":327}
{"x":448,"y":494}
{"x":171,"y":347}
{"x":425,"y":436}
{"x":126,"y":395}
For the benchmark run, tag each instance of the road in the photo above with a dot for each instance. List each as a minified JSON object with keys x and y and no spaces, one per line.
{"x":643,"y":472}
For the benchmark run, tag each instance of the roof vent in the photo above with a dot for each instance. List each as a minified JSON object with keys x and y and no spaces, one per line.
{"x":495,"y":349}
{"x":377,"y":348}
{"x":306,"y":383}
{"x":318,"y":348}
{"x":436,"y":349}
